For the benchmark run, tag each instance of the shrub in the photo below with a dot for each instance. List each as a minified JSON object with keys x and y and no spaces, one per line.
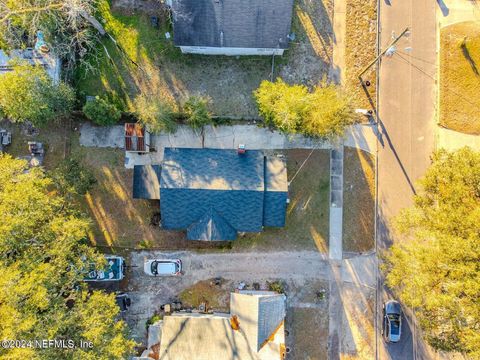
{"x":101,"y":111}
{"x":323,"y":113}
{"x":196,"y":112}
{"x":152,"y":320}
{"x":155,"y":113}
{"x":277,"y":286}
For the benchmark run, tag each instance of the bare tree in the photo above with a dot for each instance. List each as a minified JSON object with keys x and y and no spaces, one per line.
{"x":69,"y":26}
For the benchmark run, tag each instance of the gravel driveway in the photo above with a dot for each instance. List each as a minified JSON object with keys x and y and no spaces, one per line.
{"x":295,"y":268}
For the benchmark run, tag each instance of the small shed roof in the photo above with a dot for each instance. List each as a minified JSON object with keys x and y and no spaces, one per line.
{"x":232,"y":23}
{"x":146,"y":182}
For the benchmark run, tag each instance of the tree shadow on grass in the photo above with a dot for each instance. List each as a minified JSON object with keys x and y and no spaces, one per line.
{"x":468,"y":57}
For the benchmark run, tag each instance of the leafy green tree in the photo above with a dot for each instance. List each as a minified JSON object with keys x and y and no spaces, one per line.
{"x":101,"y":112}
{"x":436,"y":268}
{"x":42,"y":262}
{"x":281,"y":105}
{"x":155,"y":113}
{"x":196,"y":112}
{"x":28,"y":93}
{"x":323,"y":113}
{"x":328,"y":113}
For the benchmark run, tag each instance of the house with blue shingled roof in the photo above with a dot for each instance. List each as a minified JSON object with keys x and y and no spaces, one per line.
{"x":214,"y":194}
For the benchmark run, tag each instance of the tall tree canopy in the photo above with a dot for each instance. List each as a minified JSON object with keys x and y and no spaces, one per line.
{"x":28,"y":93}
{"x":324,"y":112}
{"x":69,"y":26}
{"x":42,"y":262}
{"x":436,"y":269}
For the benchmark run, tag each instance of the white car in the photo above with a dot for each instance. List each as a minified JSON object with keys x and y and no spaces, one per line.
{"x":163,"y":267}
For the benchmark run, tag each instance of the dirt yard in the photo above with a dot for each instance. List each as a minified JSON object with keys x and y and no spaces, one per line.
{"x":360,"y":50}
{"x":460,"y":77}
{"x":216,"y":297}
{"x":359,"y":200}
{"x":163,"y":71}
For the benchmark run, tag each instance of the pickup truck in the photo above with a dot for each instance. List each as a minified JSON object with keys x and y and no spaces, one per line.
{"x":113,"y":271}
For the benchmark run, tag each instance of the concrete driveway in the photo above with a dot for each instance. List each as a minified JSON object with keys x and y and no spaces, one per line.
{"x":295,"y":268}
{"x":359,"y":136}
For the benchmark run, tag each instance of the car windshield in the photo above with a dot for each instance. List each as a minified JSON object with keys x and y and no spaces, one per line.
{"x":154,"y":267}
{"x":394,"y":324}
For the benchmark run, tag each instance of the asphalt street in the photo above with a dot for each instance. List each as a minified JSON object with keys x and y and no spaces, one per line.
{"x":406,"y":112}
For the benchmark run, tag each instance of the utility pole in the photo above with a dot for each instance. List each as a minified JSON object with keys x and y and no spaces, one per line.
{"x":390,"y":49}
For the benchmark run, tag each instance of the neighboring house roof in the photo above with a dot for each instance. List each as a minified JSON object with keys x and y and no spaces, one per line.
{"x":259,"y":313}
{"x":212,"y":191}
{"x":48,"y":61}
{"x":188,"y":336}
{"x":232,"y":23}
{"x":146,"y":182}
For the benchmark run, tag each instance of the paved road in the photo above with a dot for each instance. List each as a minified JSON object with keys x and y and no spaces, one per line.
{"x":406,"y":113}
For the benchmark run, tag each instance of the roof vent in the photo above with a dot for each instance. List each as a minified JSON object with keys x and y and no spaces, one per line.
{"x":241,"y":149}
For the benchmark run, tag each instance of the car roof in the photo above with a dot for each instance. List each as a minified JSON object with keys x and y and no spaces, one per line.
{"x":393,"y":307}
{"x":166,"y":267}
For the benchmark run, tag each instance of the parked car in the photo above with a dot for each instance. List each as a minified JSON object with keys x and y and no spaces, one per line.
{"x":123,"y":301}
{"x":114,"y":270}
{"x":163,"y":267}
{"x":392,"y":321}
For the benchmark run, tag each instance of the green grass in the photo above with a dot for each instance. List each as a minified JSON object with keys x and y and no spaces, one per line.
{"x":460,"y":78}
{"x":163,"y":71}
{"x":308,"y":211}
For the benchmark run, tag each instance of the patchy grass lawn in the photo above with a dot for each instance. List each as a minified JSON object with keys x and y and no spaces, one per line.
{"x":359,"y":200}
{"x":118,"y":221}
{"x":310,"y":55}
{"x":217,"y":297}
{"x":308,"y":333}
{"x":360,"y":50}
{"x":460,"y":77}
{"x":53,"y":139}
{"x":308,"y":211}
{"x":163,"y":71}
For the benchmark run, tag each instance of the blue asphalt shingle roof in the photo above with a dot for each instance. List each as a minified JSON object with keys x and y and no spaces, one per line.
{"x":211,"y":227}
{"x":146,"y":182}
{"x":212,"y":191}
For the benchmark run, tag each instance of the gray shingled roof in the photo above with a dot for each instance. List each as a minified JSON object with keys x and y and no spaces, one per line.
{"x":146,"y":182}
{"x":245,"y":192}
{"x":232,"y":23}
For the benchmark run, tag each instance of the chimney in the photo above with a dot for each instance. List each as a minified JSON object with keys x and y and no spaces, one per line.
{"x":241,"y":149}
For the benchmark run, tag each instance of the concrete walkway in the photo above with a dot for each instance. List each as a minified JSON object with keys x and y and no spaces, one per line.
{"x":339,"y":29}
{"x":221,"y":137}
{"x":335,"y":249}
{"x":453,"y":140}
